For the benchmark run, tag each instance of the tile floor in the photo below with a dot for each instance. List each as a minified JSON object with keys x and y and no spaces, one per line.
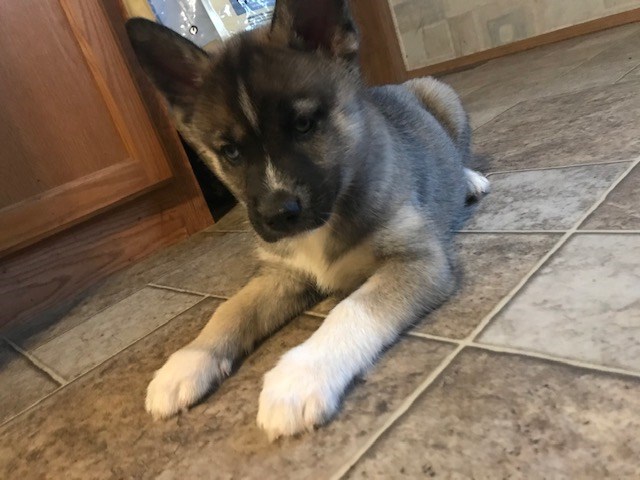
{"x":532,"y":371}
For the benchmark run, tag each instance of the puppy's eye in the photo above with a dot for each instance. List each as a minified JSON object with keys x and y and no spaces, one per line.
{"x":231,"y":152}
{"x":303,"y":125}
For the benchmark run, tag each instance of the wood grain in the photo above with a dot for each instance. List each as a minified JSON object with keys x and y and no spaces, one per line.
{"x":103,"y":55}
{"x":54,"y":271}
{"x":78,"y":136}
{"x":380,"y":53}
{"x":48,"y":212}
{"x":55,"y":127}
{"x":186,"y":189}
{"x":58,"y":269}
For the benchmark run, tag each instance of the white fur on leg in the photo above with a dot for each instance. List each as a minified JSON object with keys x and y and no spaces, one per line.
{"x":477,"y":184}
{"x":184,"y":380}
{"x":297,"y":395}
{"x":304,"y":389}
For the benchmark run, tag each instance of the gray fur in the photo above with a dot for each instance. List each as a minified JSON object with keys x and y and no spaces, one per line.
{"x":380,"y":178}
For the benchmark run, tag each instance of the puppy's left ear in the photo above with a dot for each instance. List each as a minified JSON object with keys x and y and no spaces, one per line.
{"x":324,"y":25}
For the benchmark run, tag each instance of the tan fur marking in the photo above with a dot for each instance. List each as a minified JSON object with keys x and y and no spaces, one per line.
{"x":443,"y":102}
{"x":305,"y":106}
{"x":247,"y":106}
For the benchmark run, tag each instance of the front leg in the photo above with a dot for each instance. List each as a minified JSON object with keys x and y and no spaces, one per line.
{"x":305,"y":388}
{"x":258,"y":309}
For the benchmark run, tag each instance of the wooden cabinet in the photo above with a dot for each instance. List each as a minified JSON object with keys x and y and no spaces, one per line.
{"x":75,"y":135}
{"x":78,"y":139}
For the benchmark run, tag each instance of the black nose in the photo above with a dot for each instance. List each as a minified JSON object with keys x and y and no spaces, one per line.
{"x":281,"y":211}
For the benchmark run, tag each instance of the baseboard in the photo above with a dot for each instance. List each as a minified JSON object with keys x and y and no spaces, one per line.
{"x":468,"y":61}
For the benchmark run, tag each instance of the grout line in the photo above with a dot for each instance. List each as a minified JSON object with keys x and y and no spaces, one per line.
{"x":406,"y":404}
{"x":489,"y":120}
{"x":36,"y":362}
{"x":619,"y":80}
{"x":33,"y":405}
{"x":512,"y":232}
{"x":606,"y":194}
{"x":608,"y":232}
{"x":555,"y":359}
{"x":544,"y":232}
{"x":602,"y":49}
{"x":628,"y":74}
{"x":530,"y":354}
{"x":470,"y":339}
{"x":428,"y":336}
{"x":557,"y":167}
{"x":63,"y":331}
{"x":508,"y":109}
{"x":184,"y":290}
{"x":87,"y":372}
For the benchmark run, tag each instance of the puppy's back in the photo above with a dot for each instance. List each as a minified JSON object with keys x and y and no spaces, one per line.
{"x":445,"y":105}
{"x":429,"y":150}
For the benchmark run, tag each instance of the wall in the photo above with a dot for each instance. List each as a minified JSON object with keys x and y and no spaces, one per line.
{"x":434,"y":31}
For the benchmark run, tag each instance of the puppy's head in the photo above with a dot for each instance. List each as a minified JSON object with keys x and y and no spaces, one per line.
{"x":274,"y":112}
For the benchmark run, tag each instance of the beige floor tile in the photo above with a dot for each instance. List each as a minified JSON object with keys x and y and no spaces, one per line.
{"x":552,"y":199}
{"x":592,"y":126}
{"x":632,"y":76}
{"x":498,"y":85}
{"x":503,"y":93}
{"x":222,"y":270}
{"x":584,"y":304}
{"x":542,"y":63}
{"x":105,"y":334}
{"x":235,"y":220}
{"x":494,"y":416}
{"x":606,"y":68}
{"x":621,"y":209}
{"x":21,"y":384}
{"x":484,"y":115}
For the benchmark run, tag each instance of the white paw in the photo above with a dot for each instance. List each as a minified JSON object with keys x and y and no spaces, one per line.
{"x":477,"y":184}
{"x":183,"y":380}
{"x":297,"y":395}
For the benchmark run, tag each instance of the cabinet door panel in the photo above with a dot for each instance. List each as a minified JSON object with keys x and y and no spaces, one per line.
{"x":75,"y":135}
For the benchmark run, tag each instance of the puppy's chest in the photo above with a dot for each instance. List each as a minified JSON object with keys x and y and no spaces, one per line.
{"x":345,"y":273}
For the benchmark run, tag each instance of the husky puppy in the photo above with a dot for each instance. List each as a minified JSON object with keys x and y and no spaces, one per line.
{"x":350,"y":190}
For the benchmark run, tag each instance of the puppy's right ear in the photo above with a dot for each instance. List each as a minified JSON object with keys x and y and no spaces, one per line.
{"x":176,"y":66}
{"x":324,"y":25}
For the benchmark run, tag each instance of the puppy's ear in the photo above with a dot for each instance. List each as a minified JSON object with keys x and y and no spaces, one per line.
{"x":316,"y":25}
{"x":176,"y":66}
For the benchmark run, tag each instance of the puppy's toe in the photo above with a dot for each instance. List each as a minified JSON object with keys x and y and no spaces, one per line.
{"x":295,"y":399}
{"x":183,"y":380}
